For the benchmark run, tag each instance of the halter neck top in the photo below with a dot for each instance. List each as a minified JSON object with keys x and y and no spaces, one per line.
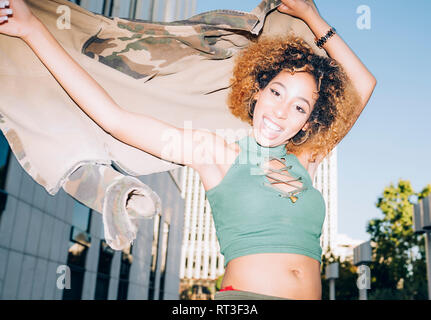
{"x":253,"y":216}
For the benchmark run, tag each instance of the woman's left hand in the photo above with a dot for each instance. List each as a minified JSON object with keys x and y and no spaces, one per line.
{"x":302,"y":9}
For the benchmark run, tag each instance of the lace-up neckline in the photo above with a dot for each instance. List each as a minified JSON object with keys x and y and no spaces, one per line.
{"x":251,"y":215}
{"x":260,"y":154}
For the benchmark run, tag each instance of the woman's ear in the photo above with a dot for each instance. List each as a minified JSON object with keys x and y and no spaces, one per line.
{"x":306,"y":126}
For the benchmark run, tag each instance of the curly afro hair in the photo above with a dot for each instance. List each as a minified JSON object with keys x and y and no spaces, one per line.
{"x":265,"y":58}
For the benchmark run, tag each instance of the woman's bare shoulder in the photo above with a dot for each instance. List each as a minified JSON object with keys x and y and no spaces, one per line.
{"x":310,"y":164}
{"x":223,"y":158}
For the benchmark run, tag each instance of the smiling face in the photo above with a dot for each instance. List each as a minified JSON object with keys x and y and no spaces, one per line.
{"x":283,"y":107}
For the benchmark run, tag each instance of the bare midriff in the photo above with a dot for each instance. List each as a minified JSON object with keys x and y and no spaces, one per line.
{"x":286,"y":275}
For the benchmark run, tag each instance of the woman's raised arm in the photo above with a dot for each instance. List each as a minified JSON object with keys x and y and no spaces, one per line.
{"x":362,"y":79}
{"x":337,"y":49}
{"x":143,"y":132}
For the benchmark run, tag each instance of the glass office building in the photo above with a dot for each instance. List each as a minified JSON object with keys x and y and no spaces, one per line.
{"x":40,"y":234}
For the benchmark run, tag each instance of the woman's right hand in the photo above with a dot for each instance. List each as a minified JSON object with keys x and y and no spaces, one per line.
{"x":20,"y":22}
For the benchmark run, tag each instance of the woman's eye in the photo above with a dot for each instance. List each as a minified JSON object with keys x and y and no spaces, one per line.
{"x":275,"y":92}
{"x":300,"y":109}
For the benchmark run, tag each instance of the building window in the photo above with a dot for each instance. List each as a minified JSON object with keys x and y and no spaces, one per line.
{"x":4,"y":159}
{"x":126,"y":263}
{"x":154,"y":257}
{"x":103,"y":271}
{"x":79,"y":242}
{"x":165,"y":243}
{"x":76,"y":262}
{"x":4,"y":165}
{"x":108,"y":7}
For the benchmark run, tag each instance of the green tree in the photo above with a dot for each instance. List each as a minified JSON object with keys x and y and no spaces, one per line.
{"x":345,"y":285}
{"x":398,"y":268}
{"x":219,"y":280}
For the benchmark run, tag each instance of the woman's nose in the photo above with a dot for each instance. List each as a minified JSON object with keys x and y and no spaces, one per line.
{"x":280,"y":111}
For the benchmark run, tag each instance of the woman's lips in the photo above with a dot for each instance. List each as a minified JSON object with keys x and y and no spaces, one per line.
{"x":268,"y":132}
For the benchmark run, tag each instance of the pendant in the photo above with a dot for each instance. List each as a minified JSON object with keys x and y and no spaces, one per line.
{"x":293,"y":199}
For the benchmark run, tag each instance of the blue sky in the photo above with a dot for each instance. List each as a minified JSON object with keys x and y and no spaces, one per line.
{"x":391,"y":139}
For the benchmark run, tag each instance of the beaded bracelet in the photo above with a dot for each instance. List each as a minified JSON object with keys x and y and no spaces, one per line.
{"x":325,"y":38}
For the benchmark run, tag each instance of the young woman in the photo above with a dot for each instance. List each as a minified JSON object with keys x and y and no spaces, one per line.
{"x":267,"y":214}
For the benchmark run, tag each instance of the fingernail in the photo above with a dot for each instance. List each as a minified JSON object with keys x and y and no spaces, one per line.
{"x":4,"y":18}
{"x":8,"y":11}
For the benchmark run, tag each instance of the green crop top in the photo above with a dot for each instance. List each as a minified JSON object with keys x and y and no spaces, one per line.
{"x":252,"y":216}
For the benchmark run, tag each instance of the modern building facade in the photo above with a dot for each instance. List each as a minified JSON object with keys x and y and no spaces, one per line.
{"x":201,"y":261}
{"x":325,"y":181}
{"x":43,"y":235}
{"x":40,"y":234}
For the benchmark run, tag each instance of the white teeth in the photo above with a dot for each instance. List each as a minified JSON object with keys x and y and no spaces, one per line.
{"x":271,"y":125}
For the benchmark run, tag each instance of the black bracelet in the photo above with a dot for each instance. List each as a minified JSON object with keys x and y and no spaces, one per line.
{"x":325,"y":38}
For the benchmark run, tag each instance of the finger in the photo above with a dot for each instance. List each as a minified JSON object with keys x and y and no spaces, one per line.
{"x":5,"y":12}
{"x":4,"y":3}
{"x":283,"y":8}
